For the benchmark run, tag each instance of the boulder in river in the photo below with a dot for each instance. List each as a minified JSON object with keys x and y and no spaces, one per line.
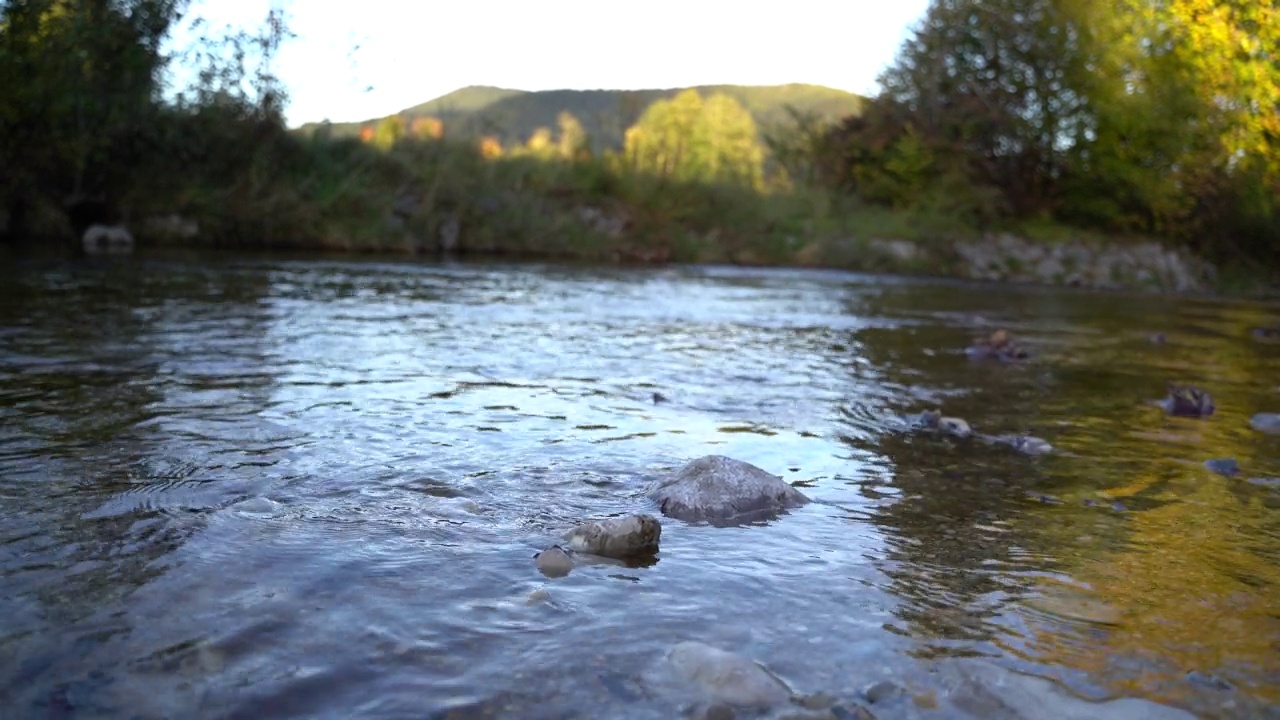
{"x":620,"y":537}
{"x":723,"y":491}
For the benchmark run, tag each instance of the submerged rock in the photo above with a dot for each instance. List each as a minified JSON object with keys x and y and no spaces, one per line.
{"x":721,"y":490}
{"x":621,"y":537}
{"x":1223,"y":466}
{"x":999,"y":345}
{"x":1025,"y":444}
{"x":728,"y":677}
{"x":1266,"y":422}
{"x":1266,"y":333}
{"x":987,"y":690}
{"x":1187,"y":401}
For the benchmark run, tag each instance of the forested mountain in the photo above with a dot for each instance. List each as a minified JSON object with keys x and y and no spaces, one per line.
{"x":513,"y":115}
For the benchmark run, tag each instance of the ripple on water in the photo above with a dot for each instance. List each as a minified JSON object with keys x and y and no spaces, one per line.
{"x":315,"y":488}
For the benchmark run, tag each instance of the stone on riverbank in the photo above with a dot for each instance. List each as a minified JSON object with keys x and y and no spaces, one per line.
{"x":724,"y":491}
{"x":621,"y":537}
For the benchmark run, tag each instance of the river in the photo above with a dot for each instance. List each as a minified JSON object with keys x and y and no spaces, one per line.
{"x":245,"y":486}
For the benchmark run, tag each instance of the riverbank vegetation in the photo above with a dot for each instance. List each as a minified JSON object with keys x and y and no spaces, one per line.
{"x":1049,"y":119}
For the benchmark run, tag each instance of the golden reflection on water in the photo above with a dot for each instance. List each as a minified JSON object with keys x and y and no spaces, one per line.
{"x":1191,"y":586}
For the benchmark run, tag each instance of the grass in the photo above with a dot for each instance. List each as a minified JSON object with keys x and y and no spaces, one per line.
{"x":345,"y":195}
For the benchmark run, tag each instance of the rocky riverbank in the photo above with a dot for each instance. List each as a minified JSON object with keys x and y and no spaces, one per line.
{"x":1145,"y":265}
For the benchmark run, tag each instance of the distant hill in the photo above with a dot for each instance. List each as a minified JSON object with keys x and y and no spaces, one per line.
{"x":513,"y":115}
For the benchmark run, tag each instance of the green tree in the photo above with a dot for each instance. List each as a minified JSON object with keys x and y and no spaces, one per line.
{"x":998,"y":82}
{"x":688,"y":139}
{"x":389,"y":131}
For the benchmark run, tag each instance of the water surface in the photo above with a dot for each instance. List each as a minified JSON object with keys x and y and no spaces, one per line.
{"x":246,"y":487}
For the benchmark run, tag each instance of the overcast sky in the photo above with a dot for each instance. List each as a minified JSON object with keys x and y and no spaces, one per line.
{"x":368,"y":59}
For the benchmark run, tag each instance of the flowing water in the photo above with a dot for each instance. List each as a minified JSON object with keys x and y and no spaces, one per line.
{"x":255,"y":487}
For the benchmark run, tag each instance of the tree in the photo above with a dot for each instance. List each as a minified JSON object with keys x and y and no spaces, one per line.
{"x":573,"y":143}
{"x":81,"y":102}
{"x":388,"y":132}
{"x":998,"y":82}
{"x":687,"y":139}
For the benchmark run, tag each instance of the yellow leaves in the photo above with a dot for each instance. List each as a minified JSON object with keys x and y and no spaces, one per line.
{"x":540,"y":142}
{"x":690,"y":139}
{"x":490,"y":147}
{"x":427,"y":128}
{"x":1227,"y":50}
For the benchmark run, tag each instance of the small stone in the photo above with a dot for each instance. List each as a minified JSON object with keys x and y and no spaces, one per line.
{"x":1043,"y":498}
{"x":954,"y":426}
{"x":1266,"y":422}
{"x":1000,"y":346}
{"x":1188,"y":401}
{"x":1159,"y":338}
{"x":1208,"y":680}
{"x":935,"y":420}
{"x":553,"y":562}
{"x":540,"y":596}
{"x":1223,"y":466}
{"x":817,"y":701}
{"x":658,"y":398}
{"x":882,"y":691}
{"x":1025,"y":444}
{"x":622,"y":537}
{"x":852,"y":712}
{"x":719,"y":711}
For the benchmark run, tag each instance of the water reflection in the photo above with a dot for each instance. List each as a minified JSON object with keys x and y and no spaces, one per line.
{"x":314,"y":487}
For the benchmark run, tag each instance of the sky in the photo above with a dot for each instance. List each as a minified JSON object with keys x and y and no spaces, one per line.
{"x":373,"y":58}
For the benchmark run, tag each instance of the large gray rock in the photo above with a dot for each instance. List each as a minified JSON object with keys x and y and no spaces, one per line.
{"x":621,"y":537}
{"x":723,"y":491}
